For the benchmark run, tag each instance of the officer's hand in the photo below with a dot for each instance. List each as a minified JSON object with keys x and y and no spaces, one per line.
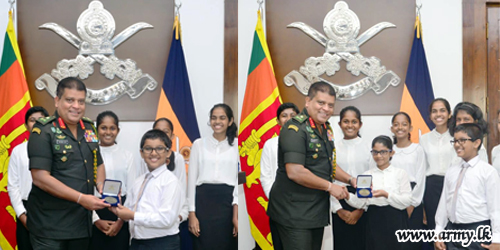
{"x":194,"y":224}
{"x":90,"y":202}
{"x":339,"y":192}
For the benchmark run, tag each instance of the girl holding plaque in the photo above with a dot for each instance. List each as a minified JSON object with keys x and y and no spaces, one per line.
{"x":411,"y":158}
{"x":212,"y":184}
{"x":109,"y":232}
{"x":439,"y":155}
{"x":386,"y":211}
{"x":353,"y":155}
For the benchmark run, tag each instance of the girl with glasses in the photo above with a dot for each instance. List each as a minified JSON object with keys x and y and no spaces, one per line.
{"x":212,"y":184}
{"x":391,"y":190}
{"x":411,"y":158}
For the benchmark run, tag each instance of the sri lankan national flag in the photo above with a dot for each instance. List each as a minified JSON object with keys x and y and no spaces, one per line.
{"x":258,"y":123}
{"x":176,"y":102}
{"x":14,"y":102}
{"x":417,"y":93}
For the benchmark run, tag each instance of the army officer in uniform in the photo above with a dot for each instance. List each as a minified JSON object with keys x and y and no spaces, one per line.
{"x":65,"y":164}
{"x":299,"y":201}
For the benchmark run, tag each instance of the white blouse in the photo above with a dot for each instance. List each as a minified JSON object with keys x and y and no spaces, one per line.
{"x":394,"y":181}
{"x":495,"y":158}
{"x":19,"y":178}
{"x":212,"y":162}
{"x":269,"y":164}
{"x":119,"y":165}
{"x":438,"y":151}
{"x":354,"y":157}
{"x":412,"y":160}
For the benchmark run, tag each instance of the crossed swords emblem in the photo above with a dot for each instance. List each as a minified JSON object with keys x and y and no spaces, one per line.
{"x":341,"y":26}
{"x":96,"y":27}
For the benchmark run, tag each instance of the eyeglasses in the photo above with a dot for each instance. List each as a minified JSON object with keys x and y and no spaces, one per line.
{"x":159,"y":150}
{"x":381,"y":152}
{"x":460,"y":141}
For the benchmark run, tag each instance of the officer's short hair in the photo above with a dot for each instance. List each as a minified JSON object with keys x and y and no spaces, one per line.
{"x":323,"y":87}
{"x":473,"y":130}
{"x":70,"y":83}
{"x":156,"y":134}
{"x":33,"y":110}
{"x":286,"y":105}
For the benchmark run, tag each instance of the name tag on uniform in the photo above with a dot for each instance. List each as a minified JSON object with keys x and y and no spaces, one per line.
{"x":90,"y":136}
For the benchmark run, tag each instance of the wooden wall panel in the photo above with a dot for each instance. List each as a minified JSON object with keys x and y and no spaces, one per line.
{"x":231,"y":55}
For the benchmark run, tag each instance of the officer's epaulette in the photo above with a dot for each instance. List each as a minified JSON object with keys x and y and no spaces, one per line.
{"x":300,"y":118}
{"x":45,"y":120}
{"x":86,"y":119}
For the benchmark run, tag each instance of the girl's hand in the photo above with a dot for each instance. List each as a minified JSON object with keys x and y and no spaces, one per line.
{"x":194,"y":224}
{"x":344,"y":215}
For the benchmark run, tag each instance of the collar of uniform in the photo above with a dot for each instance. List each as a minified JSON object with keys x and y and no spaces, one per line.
{"x":159,"y":170}
{"x":304,"y":111}
{"x":61,"y":124}
{"x":439,"y":135}
{"x":472,"y":162}
{"x":112,"y":148}
{"x":215,"y":141}
{"x":406,"y":150}
{"x":352,"y":142}
{"x":388,"y":169}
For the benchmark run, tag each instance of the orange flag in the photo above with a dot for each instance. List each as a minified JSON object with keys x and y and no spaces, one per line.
{"x":258,"y":124}
{"x":14,"y":103}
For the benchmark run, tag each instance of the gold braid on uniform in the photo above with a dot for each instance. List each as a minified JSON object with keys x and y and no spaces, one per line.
{"x":334,"y":161}
{"x":95,"y":165}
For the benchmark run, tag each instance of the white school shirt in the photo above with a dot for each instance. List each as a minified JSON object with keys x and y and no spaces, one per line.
{"x":157,"y":213}
{"x":19,"y":178}
{"x":394,"y":181}
{"x":212,"y":162}
{"x":353,"y":156}
{"x":495,"y":158}
{"x":180,"y":173}
{"x":478,"y":197}
{"x":439,"y":152}
{"x":119,"y":165}
{"x":269,"y":164}
{"x":412,"y":160}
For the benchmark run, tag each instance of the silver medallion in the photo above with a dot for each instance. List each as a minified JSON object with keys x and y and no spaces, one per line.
{"x":341,"y":26}
{"x":111,"y":200}
{"x":96,"y":27}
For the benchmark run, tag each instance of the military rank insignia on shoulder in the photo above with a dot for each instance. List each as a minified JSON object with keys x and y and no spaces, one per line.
{"x":86,"y":119}
{"x":300,"y":118}
{"x":45,"y":120}
{"x":36,"y":130}
{"x":291,"y":126}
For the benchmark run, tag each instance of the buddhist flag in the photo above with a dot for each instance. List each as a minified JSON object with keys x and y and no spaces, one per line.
{"x":258,"y":124}
{"x":176,"y":101}
{"x":417,"y":93}
{"x":14,"y":102}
